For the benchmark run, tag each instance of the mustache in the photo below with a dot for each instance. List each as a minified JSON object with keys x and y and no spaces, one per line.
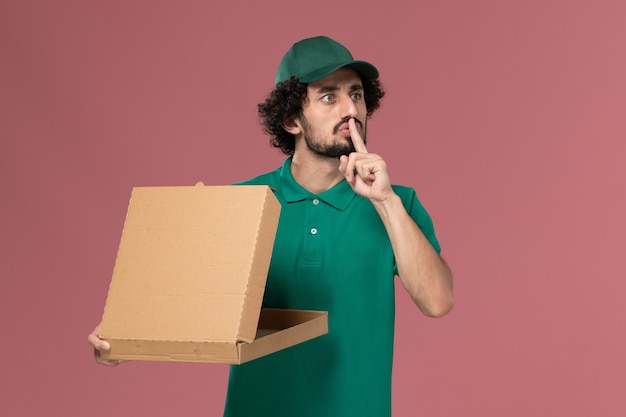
{"x":345,"y":120}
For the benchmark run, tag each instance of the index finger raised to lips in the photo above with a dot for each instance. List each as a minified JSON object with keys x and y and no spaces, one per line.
{"x":357,"y":140}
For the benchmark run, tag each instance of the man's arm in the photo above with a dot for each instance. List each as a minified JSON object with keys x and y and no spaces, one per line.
{"x":424,"y":274}
{"x":422,"y":271}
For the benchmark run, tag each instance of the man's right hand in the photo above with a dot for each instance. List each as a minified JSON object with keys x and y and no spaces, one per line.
{"x":99,"y":345}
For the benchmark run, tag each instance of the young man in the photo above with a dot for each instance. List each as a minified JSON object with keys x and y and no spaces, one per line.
{"x":344,"y":232}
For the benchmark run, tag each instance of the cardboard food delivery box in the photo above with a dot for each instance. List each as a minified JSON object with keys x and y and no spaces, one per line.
{"x":189,"y":278}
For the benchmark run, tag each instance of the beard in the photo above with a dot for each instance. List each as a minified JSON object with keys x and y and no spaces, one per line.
{"x":330,"y":147}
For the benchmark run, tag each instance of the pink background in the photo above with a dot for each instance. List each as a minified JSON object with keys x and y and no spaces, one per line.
{"x":506,"y":116}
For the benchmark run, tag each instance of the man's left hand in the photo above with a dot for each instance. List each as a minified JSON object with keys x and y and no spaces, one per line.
{"x":365,"y":172}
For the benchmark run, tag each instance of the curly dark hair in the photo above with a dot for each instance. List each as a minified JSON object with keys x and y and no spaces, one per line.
{"x":285,"y":102}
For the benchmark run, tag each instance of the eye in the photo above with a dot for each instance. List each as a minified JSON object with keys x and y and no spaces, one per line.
{"x":328,"y":98}
{"x":356,"y":96}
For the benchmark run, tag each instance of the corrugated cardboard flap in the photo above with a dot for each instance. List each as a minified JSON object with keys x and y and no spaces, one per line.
{"x":191,"y":266}
{"x":278,"y":329}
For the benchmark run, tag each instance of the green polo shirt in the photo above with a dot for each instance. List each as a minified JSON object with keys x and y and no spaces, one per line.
{"x":331,"y":253}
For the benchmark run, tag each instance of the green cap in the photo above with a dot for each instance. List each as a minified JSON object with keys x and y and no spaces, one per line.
{"x":315,"y":58}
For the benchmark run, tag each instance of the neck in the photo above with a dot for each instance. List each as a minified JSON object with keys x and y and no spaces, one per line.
{"x":315,"y":173}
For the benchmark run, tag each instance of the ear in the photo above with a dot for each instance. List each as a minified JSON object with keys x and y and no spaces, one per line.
{"x":292,"y":126}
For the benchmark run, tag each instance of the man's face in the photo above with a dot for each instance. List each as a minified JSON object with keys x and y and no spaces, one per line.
{"x":330,"y":103}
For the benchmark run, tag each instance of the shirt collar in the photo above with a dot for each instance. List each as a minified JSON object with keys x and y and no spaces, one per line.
{"x":339,"y":196}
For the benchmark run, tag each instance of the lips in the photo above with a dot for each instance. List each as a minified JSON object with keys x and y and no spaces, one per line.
{"x":344,"y":129}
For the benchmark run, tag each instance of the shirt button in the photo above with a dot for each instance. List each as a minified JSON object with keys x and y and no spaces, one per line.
{"x":314,"y":231}
{"x":316,"y":202}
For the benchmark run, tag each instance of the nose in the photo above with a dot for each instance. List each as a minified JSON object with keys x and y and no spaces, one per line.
{"x":348,"y":107}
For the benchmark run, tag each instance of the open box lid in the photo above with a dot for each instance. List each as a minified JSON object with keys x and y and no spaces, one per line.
{"x":191,"y":267}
